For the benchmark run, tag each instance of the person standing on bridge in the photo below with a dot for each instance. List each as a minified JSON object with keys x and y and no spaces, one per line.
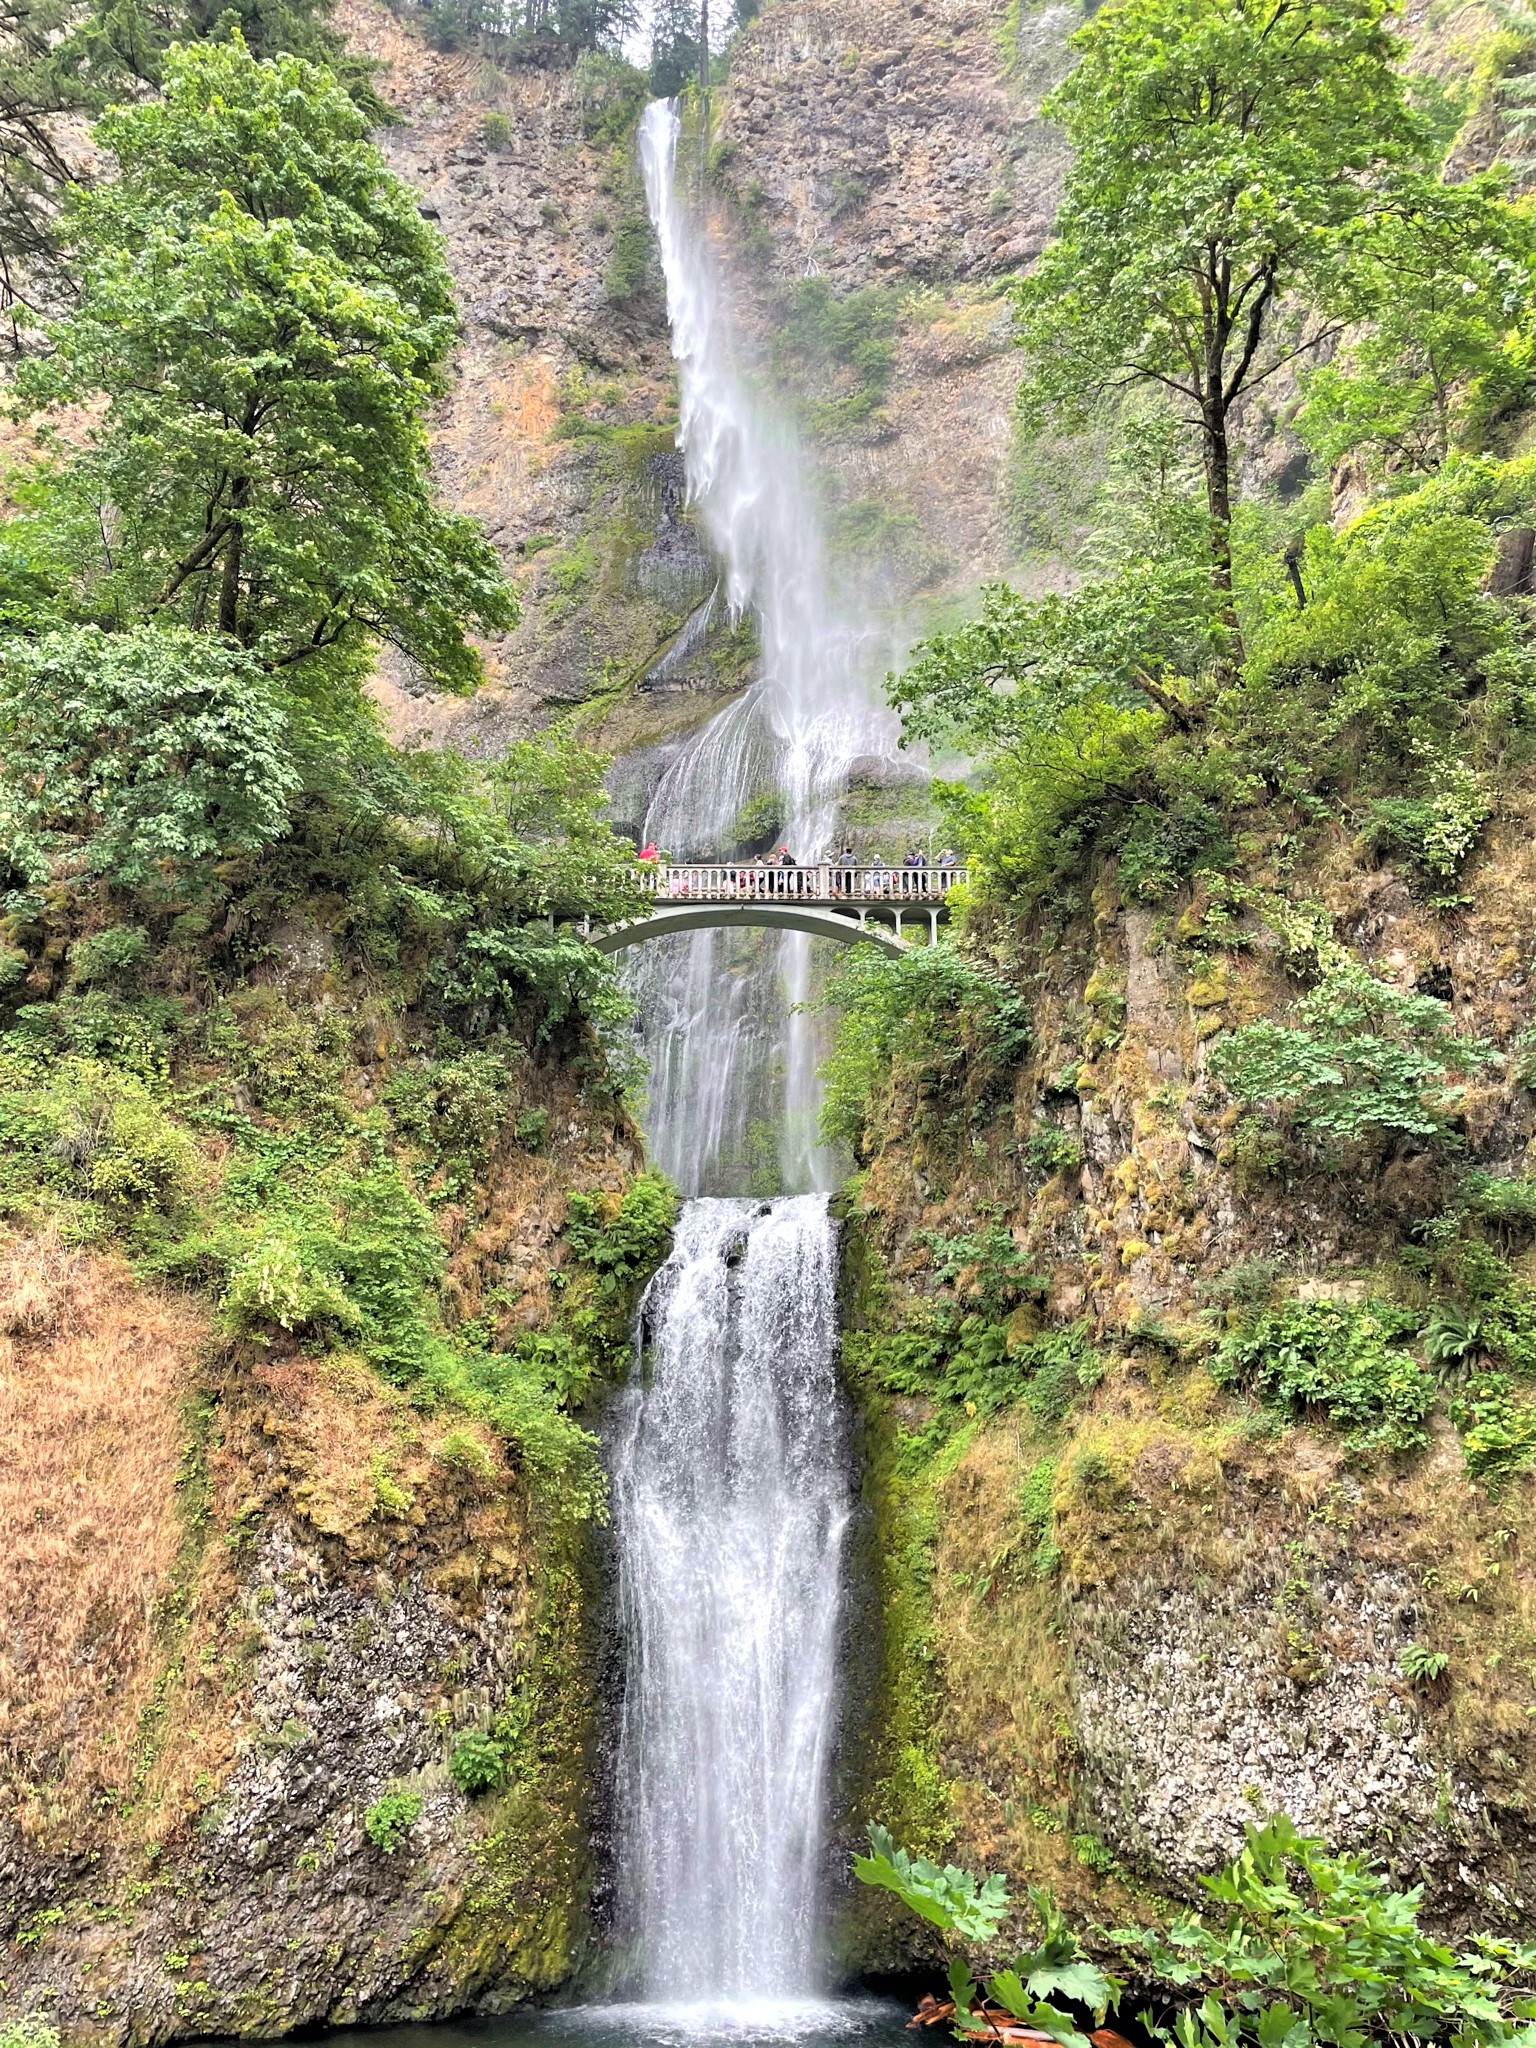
{"x":789,"y":883}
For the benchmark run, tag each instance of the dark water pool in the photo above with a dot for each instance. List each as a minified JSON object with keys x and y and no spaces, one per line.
{"x":803,"y":2023}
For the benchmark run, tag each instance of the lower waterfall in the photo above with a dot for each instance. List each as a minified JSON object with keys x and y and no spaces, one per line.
{"x":731,"y":1501}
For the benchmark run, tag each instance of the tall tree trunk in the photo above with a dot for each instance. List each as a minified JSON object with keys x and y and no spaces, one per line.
{"x":1218,"y":498}
{"x":229,"y":586}
{"x":229,"y":583}
{"x":704,"y":50}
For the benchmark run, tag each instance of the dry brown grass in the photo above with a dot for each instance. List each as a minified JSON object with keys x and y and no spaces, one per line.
{"x":93,"y":1370}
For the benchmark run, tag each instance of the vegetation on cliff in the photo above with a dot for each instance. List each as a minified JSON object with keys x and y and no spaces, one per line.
{"x":322,"y":1212}
{"x":195,"y":784}
{"x":1191,"y":1274}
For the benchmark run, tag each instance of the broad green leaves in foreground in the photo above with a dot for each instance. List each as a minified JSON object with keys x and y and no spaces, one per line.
{"x":964,"y":1911}
{"x":948,"y":1899}
{"x":1298,"y":1948}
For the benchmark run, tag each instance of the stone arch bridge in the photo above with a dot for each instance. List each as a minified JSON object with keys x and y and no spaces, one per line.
{"x":886,"y":907}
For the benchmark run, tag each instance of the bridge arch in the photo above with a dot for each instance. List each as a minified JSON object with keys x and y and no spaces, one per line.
{"x":842,"y":929}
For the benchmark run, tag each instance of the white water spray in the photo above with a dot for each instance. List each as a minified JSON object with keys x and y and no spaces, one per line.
{"x":722,"y":1032}
{"x":730,"y":1503}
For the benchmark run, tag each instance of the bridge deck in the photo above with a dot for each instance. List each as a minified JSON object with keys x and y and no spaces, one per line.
{"x":850,"y":888}
{"x":847,"y":905}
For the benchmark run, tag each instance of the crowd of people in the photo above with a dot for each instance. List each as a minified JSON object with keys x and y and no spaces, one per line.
{"x":850,"y":873}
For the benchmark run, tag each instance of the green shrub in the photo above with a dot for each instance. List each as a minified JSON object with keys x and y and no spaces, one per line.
{"x":1299,"y":1948}
{"x":1438,"y":830}
{"x":1049,"y":1149}
{"x":757,"y":824}
{"x":274,"y":1284}
{"x":1349,"y":1364}
{"x":1498,"y":1432}
{"x":495,"y":130}
{"x":1372,"y":679}
{"x":629,"y":260}
{"x":443,"y":29}
{"x":143,"y":751}
{"x":628,"y":1245}
{"x":1062,"y":1364}
{"x":1037,"y":1507}
{"x":1164,"y":843}
{"x":850,"y":340}
{"x":1421,"y":1664}
{"x":390,"y":1820}
{"x":1362,"y":1057}
{"x":117,"y":956}
{"x":463,"y":1450}
{"x":31,"y":2030}
{"x":965,"y":1912}
{"x":78,"y":1128}
{"x":931,"y":1009}
{"x":477,"y":1763}
{"x":610,"y":94}
{"x":455,"y":1109}
{"x":1506,"y":1200}
{"x":1093,"y":1854}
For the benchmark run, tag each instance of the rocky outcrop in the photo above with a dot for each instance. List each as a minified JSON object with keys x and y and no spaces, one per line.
{"x":897,"y":148}
{"x":256,"y":1601}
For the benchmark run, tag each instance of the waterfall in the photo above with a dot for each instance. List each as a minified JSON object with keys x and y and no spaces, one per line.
{"x":721,"y":1031}
{"x":728,"y":1448}
{"x":730,"y":1497}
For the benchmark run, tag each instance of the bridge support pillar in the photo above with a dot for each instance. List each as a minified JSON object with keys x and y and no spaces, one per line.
{"x":863,"y":920}
{"x":897,"y":915}
{"x":933,"y":927}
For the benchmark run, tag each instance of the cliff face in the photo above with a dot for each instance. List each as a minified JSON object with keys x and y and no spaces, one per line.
{"x":1134,"y":1611}
{"x":256,"y":1598}
{"x":892,"y":153}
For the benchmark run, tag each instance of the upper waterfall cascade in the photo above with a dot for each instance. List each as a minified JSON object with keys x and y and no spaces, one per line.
{"x":720,"y":1041}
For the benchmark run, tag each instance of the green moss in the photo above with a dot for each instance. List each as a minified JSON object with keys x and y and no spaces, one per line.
{"x":524,"y":1917}
{"x":897,"y":1774}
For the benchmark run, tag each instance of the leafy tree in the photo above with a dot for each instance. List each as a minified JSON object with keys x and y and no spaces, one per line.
{"x":137,"y":755}
{"x":1443,"y":280}
{"x":547,"y":31}
{"x":1227,"y":154}
{"x":266,"y":317}
{"x":1401,"y":679}
{"x":122,"y":44}
{"x":35,"y":88}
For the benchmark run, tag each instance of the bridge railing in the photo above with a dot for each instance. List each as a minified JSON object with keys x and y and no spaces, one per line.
{"x":743,"y":882}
